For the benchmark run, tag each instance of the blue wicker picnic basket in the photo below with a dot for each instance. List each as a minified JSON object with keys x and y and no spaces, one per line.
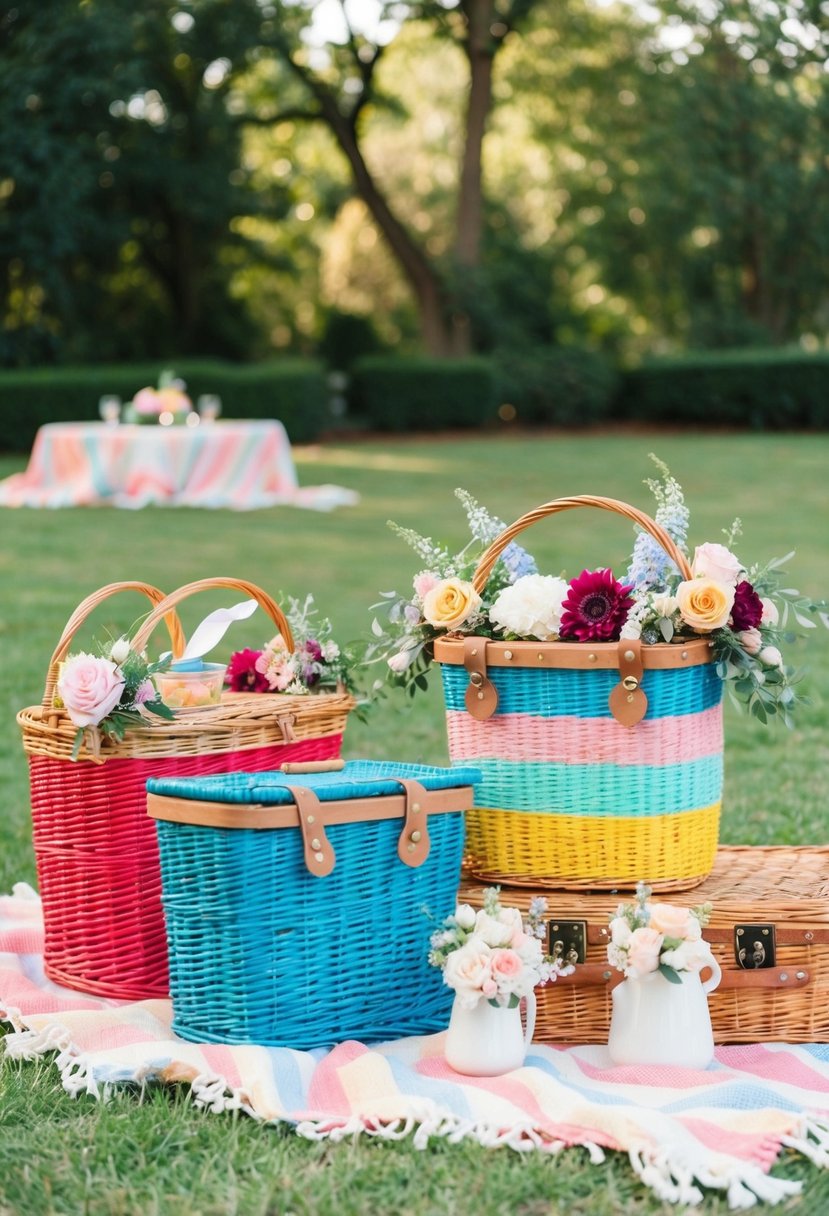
{"x":299,"y":904}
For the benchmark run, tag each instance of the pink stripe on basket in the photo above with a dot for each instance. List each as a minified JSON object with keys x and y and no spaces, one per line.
{"x":586,"y":740}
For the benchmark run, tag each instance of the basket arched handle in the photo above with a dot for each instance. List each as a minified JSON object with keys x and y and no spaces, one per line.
{"x":86,"y":608}
{"x":211,"y":584}
{"x":488,"y":560}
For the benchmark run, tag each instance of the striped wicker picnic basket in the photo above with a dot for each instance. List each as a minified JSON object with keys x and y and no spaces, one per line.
{"x":96,"y":850}
{"x":601,"y":762}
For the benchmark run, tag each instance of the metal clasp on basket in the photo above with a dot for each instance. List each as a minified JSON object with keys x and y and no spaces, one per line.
{"x":755,"y":947}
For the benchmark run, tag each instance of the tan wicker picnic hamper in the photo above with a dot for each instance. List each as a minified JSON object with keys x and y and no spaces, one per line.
{"x":769,"y":932}
{"x":96,"y":850}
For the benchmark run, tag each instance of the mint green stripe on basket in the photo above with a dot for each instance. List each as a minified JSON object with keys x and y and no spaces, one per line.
{"x":600,"y":789}
{"x":561,"y":692}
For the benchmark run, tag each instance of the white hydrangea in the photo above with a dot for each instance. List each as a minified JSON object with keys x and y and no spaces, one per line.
{"x":531,"y":607}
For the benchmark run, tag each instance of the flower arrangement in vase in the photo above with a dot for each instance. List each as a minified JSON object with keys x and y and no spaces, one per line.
{"x":743,"y":611}
{"x":492,"y":959}
{"x":166,"y":405}
{"x":660,"y":1010}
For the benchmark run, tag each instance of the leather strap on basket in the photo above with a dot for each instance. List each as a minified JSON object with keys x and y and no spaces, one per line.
{"x":589,"y":975}
{"x":627,"y":701}
{"x":481,"y":696}
{"x":319,"y":855}
{"x":414,"y":844}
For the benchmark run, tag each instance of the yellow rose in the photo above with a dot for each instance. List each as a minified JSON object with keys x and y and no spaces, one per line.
{"x":704,"y":604}
{"x":450,"y":603}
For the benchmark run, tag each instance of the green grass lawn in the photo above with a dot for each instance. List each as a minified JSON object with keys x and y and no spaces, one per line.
{"x":159,"y":1155}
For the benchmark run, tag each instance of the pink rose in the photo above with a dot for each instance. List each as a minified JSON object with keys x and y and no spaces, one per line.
{"x":146,"y":402}
{"x":424,"y":582}
{"x":509,"y":972}
{"x":770,"y":613}
{"x":770,"y":656}
{"x":716,"y":562}
{"x":643,"y":952}
{"x":672,"y":921}
{"x":751,"y":641}
{"x":90,"y":688}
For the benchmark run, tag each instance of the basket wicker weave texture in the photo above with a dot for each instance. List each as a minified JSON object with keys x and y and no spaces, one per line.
{"x":570,"y":796}
{"x":264,"y":951}
{"x":786,"y":887}
{"x":96,"y":851}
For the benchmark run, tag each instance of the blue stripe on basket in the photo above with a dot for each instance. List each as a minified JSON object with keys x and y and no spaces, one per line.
{"x":359,"y":779}
{"x":600,"y":789}
{"x":560,"y":692}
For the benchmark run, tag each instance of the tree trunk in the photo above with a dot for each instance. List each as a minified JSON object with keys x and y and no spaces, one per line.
{"x":479,"y":49}
{"x":433,"y":304}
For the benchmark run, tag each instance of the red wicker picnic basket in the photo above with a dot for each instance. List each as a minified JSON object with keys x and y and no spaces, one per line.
{"x":95,"y":848}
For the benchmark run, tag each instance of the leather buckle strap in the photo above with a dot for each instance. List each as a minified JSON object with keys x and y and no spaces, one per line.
{"x":481,"y":697}
{"x":627,"y":701}
{"x":319,"y":855}
{"x":414,"y":843}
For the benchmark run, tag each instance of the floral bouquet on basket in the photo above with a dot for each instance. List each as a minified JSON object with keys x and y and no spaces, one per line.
{"x":110,"y":691}
{"x":494,"y":953}
{"x":316,"y":663}
{"x":655,"y":937}
{"x":743,"y":611}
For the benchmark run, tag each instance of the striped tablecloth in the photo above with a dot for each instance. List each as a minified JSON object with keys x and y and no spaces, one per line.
{"x":241,"y":465}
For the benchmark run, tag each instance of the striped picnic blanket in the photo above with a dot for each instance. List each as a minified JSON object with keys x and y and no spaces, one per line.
{"x":683,"y":1130}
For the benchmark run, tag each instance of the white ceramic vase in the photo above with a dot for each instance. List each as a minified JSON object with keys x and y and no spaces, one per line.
{"x":488,"y":1040}
{"x":654,"y":1021}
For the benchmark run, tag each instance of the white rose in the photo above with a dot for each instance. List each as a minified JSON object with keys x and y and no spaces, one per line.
{"x":665,"y":605}
{"x":770,"y":656}
{"x":716,"y":562}
{"x":689,"y":956}
{"x":492,"y":931}
{"x":631,"y":631}
{"x":465,"y":916}
{"x":620,"y":932}
{"x":120,"y":650}
{"x":770,"y":614}
{"x":531,"y":607}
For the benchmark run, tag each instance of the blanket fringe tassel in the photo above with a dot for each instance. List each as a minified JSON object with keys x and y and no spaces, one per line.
{"x":671,"y":1179}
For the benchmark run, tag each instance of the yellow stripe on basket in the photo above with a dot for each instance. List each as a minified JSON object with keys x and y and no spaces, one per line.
{"x":587,"y":852}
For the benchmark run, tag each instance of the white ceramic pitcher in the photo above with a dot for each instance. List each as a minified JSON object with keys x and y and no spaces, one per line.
{"x":488,"y":1040}
{"x":654,"y":1021}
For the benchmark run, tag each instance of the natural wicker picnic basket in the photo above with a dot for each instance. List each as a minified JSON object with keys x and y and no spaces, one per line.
{"x":96,"y":851}
{"x":769,"y":931}
{"x":601,"y":761}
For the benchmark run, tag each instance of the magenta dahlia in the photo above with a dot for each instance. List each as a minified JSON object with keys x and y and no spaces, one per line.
{"x":747,"y":611}
{"x":242,"y":674}
{"x":595,"y":608}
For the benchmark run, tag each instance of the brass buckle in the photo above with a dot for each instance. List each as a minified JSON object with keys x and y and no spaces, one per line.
{"x":755,"y":947}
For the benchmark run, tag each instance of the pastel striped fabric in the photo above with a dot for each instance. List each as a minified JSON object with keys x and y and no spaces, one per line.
{"x":554,"y":761}
{"x":683,"y":1130}
{"x":239,"y":465}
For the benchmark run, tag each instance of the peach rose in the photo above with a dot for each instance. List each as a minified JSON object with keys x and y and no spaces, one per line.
{"x":712,"y":561}
{"x":672,"y":921}
{"x":643,"y":952}
{"x":450,"y":603}
{"x":704,"y":603}
{"x":467,"y":971}
{"x":90,"y":688}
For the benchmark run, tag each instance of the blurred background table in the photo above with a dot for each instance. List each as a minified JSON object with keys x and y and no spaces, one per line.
{"x":240,"y":465}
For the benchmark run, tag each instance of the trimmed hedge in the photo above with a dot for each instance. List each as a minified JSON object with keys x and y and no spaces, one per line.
{"x":759,"y":389}
{"x":394,"y":394}
{"x":292,"y":390}
{"x":557,"y":385}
